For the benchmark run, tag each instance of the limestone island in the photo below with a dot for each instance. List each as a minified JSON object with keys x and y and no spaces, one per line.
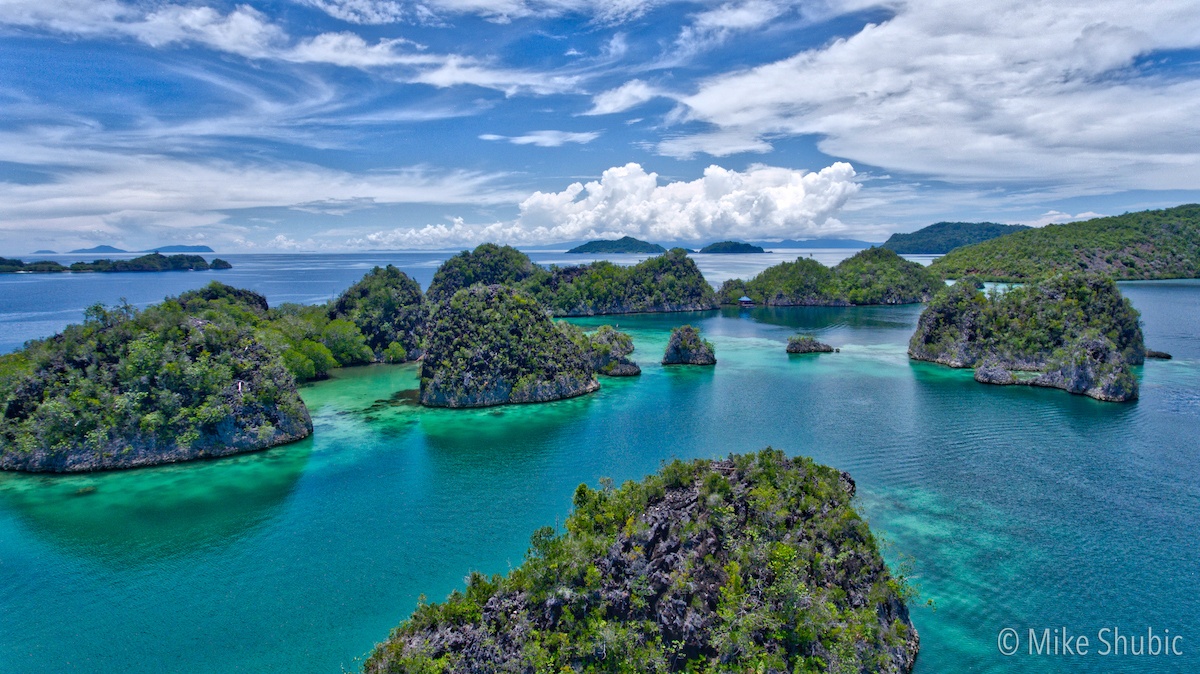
{"x":666,"y":283}
{"x":755,"y":563}
{"x":607,"y":349}
{"x":493,"y":345}
{"x":942,"y":237}
{"x":621,"y":246}
{"x":731,"y":248}
{"x":806,"y":344}
{"x":685,"y":347}
{"x":871,"y":276}
{"x":181,"y":380}
{"x":1070,"y":331}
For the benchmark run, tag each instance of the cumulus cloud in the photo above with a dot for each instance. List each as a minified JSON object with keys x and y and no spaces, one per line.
{"x":983,"y":91}
{"x":1058,"y":217}
{"x":761,"y":202}
{"x":546,"y":138}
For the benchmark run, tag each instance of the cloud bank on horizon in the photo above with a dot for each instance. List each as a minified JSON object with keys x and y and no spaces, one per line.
{"x":339,"y":124}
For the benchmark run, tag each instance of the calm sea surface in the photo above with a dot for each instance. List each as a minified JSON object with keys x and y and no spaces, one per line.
{"x":1015,"y":507}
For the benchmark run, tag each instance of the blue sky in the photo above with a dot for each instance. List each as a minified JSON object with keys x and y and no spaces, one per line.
{"x":352,"y":124}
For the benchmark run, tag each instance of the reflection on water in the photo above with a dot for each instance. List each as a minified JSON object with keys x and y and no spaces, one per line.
{"x":144,"y":515}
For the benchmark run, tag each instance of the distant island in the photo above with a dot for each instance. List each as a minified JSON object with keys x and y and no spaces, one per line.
{"x":756,"y":562}
{"x":146,"y":263}
{"x":1071,"y":331}
{"x":1145,"y":245}
{"x":665,"y":283}
{"x":110,"y":250}
{"x":731,"y":247}
{"x":104,"y":249}
{"x":942,"y":237}
{"x":623,"y":245}
{"x":872,"y":276}
{"x":43,"y":252}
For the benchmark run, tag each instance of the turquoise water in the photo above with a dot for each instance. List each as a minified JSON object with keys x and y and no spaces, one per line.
{"x":1016,"y":507}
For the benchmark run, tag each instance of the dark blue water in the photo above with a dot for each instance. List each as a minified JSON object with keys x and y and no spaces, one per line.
{"x":1014,"y":507}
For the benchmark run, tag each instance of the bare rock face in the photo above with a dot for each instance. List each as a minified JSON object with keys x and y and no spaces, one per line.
{"x":709,"y":566}
{"x":806,"y":344}
{"x":1159,"y":355}
{"x":685,"y":347}
{"x":1092,"y":367}
{"x":994,"y":373}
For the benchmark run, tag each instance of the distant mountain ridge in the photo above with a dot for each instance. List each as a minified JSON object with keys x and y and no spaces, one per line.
{"x":111,"y":249}
{"x":942,"y":237}
{"x":816,"y":243}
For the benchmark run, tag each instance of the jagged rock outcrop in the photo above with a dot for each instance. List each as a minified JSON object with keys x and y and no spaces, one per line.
{"x":1158,"y":355}
{"x":806,"y":344}
{"x":685,"y":347}
{"x":609,"y":351}
{"x":753,"y":563}
{"x":1075,"y":331}
{"x":491,"y":345}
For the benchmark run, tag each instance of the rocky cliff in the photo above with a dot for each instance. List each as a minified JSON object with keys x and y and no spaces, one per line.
{"x":1075,"y":332}
{"x":685,"y":347}
{"x":806,"y":344}
{"x":756,"y":563}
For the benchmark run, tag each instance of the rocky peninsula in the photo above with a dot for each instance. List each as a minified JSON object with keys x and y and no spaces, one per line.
{"x":178,"y":381}
{"x":806,"y":344}
{"x":1071,"y":331}
{"x":493,"y":345}
{"x":686,"y":347}
{"x":753,"y":563}
{"x":871,"y":276}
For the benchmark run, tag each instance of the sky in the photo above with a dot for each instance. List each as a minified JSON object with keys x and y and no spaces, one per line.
{"x":346,"y":125}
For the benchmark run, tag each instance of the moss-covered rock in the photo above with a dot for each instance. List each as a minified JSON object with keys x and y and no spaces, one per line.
{"x":488,"y":264}
{"x":131,"y":388}
{"x":387,"y":308}
{"x":756,"y":563}
{"x":1076,"y":330}
{"x":607,"y":348}
{"x":686,"y":347}
{"x":491,"y":345}
{"x":807,"y":344}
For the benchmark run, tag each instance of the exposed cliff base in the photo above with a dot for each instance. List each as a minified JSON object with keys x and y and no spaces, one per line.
{"x":685,"y":347}
{"x":753,"y":563}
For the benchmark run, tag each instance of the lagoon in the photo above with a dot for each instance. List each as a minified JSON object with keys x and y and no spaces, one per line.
{"x":1022,"y":508}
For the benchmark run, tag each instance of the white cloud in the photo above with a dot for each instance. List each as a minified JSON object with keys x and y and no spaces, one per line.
{"x":499,"y":11}
{"x":983,"y":91}
{"x":716,"y":25}
{"x":628,"y":95}
{"x":362,"y":11}
{"x":546,"y":138}
{"x":761,"y":202}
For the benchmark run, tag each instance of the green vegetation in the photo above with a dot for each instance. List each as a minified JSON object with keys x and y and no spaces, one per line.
{"x":386,"y":307}
{"x":807,"y":344}
{"x":491,"y":345}
{"x":151,"y":262}
{"x":488,"y":264}
{"x":184,"y":379}
{"x":1144,"y":245}
{"x":871,"y":276}
{"x":686,"y":347}
{"x":623,"y":245}
{"x":942,"y":237}
{"x":731,"y":247}
{"x":668,"y":282}
{"x":607,"y":348}
{"x":757,"y":563}
{"x":1075,"y":329}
